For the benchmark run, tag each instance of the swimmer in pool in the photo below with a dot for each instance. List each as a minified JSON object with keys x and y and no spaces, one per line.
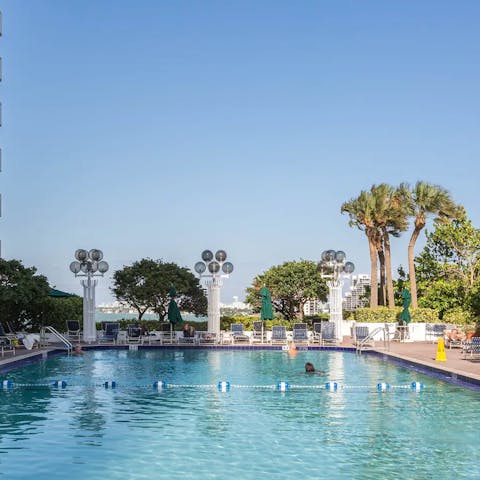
{"x":309,"y":368}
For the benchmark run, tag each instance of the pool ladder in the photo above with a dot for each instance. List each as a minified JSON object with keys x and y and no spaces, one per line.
{"x":369,"y":338}
{"x":57,"y":334}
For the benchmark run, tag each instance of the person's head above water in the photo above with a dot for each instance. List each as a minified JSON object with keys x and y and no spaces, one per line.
{"x":309,"y":368}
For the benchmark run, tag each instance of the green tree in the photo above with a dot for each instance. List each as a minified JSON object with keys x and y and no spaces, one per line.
{"x":425,"y":200}
{"x":23,"y":294}
{"x":291,"y":285}
{"x":146,"y":284}
{"x":56,"y":312}
{"x":448,"y":268}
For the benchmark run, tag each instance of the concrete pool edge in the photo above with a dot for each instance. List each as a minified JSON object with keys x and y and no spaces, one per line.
{"x":445,"y":374}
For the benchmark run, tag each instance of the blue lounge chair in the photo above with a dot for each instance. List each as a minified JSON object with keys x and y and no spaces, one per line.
{"x":238,"y":334}
{"x":360,"y":335}
{"x":110,"y":333}
{"x":300,"y":333}
{"x":472,"y":348}
{"x":134,"y":334}
{"x":279,"y":335}
{"x":328,"y":333}
{"x":6,"y":343}
{"x":73,"y":330}
{"x":258,"y":333}
{"x":317,"y":333}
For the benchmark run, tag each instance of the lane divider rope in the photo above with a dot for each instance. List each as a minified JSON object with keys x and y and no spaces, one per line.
{"x":221,"y":386}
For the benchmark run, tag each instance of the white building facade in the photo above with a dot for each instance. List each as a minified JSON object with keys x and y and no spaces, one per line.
{"x":355,"y":297}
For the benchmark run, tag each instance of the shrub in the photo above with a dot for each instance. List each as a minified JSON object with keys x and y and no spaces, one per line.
{"x":459,"y":317}
{"x":392,"y":315}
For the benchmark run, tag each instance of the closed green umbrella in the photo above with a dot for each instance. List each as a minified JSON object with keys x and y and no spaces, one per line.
{"x":173,"y":313}
{"x":406,"y":301}
{"x":266,"y":313}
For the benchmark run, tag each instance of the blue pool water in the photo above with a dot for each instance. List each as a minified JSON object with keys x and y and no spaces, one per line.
{"x":134,"y":432}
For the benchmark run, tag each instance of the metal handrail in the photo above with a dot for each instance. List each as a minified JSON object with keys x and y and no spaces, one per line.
{"x":62,"y":338}
{"x":369,"y":337}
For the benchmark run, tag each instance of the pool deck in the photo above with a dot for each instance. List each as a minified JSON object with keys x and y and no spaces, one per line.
{"x":423,"y":354}
{"x":416,"y":355}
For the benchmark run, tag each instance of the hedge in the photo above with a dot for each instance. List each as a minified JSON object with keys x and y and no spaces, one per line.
{"x":392,"y":315}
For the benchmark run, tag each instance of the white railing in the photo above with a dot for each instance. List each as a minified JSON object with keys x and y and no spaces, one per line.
{"x":57,"y":334}
{"x":369,"y":338}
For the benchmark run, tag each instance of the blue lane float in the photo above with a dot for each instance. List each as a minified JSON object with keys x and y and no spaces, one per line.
{"x":283,"y":386}
{"x":7,"y":384}
{"x":383,"y":387}
{"x":417,"y":386}
{"x":60,"y":384}
{"x":160,"y":385}
{"x":111,"y":384}
{"x":223,"y":386}
{"x":331,"y":386}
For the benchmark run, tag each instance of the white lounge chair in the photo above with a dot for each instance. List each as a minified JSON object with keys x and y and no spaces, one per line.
{"x":208,"y":338}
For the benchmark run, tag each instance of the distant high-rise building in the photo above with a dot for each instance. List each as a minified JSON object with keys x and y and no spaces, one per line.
{"x":314,"y":307}
{"x":355,"y":298}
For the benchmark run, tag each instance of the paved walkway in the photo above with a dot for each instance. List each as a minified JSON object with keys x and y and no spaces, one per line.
{"x":424,"y":353}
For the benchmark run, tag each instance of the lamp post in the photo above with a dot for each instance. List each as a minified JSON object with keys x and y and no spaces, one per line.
{"x":215,"y":266}
{"x":334,"y":267}
{"x":89,"y":264}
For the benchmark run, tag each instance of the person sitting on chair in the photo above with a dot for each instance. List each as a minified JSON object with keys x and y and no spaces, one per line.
{"x":188,"y":331}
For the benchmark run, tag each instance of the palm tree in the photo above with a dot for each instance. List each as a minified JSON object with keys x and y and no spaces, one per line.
{"x":391,"y":219}
{"x":361,"y":212}
{"x":426,"y":199}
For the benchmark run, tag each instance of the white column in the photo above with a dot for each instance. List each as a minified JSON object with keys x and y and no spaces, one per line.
{"x":214,"y":305}
{"x":336,"y":315}
{"x":89,"y":327}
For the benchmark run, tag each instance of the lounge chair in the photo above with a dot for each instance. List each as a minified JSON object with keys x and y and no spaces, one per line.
{"x":238,"y":334}
{"x":279,"y":335}
{"x":188,"y":337}
{"x":110,"y":332}
{"x":454,"y":338}
{"x":317,"y":333}
{"x":300,"y":333}
{"x":6,"y":343}
{"x":433,"y":331}
{"x":258,"y":333}
{"x":472,"y":348}
{"x":168,"y":334}
{"x":328,"y":333}
{"x":360,"y":333}
{"x":7,"y":332}
{"x":73,"y":330}
{"x":134,"y":334}
{"x":207,"y":338}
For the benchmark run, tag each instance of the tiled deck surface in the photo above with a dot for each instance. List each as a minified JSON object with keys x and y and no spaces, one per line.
{"x":424,"y":353}
{"x":417,"y":353}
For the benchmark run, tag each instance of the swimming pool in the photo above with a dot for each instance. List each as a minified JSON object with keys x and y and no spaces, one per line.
{"x":194,"y":431}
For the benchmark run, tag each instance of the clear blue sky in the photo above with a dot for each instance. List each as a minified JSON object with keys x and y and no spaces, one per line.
{"x":158,"y":129}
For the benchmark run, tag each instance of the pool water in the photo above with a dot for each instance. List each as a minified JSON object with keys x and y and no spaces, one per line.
{"x":193,"y":431}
